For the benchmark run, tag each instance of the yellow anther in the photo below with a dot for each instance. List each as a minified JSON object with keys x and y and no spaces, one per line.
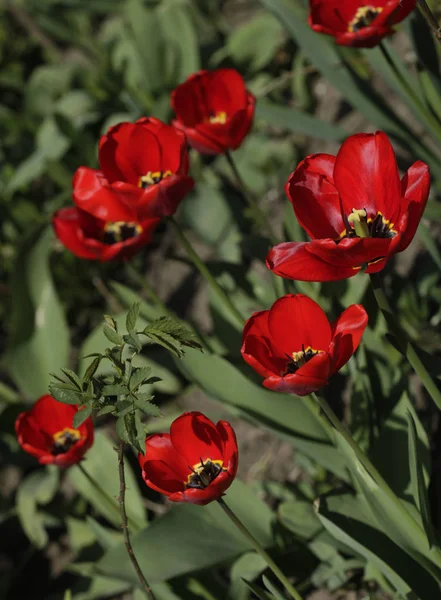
{"x":219,"y":117}
{"x":153,"y":177}
{"x":364,"y":17}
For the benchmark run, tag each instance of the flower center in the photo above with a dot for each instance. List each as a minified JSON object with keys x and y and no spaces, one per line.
{"x":203,"y":473}
{"x":364,"y":17}
{"x":120,"y":231}
{"x":153,"y":177}
{"x":298,"y":359}
{"x":219,"y":117}
{"x":64,"y":440}
{"x":362,"y":226}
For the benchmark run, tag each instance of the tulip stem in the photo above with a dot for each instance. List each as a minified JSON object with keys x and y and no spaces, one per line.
{"x":430,"y":18}
{"x":124,"y":523}
{"x":403,"y":344}
{"x":260,"y":217}
{"x":260,"y":550}
{"x":205,"y":272}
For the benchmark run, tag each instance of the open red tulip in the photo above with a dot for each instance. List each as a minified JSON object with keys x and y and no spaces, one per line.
{"x":196,"y":462}
{"x":294,"y":346}
{"x":46,"y":432}
{"x":215,"y":110}
{"x":143,"y":178}
{"x":354,"y":207}
{"x":361,"y":23}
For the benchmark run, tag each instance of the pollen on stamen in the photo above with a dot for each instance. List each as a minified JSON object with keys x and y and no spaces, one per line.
{"x":153,"y":177}
{"x":364,"y":17}
{"x":120,"y":231}
{"x":220,"y":117}
{"x":64,"y":440}
{"x":203,"y":473}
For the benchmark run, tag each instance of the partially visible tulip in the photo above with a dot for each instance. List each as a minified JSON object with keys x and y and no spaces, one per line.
{"x":360,"y":23}
{"x":214,"y":109}
{"x":46,"y":432}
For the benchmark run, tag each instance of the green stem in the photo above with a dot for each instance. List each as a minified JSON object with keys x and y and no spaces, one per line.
{"x":260,"y":217}
{"x":430,"y":18}
{"x":418,"y":105}
{"x":260,"y":550}
{"x":404,"y":345}
{"x":205,"y":272}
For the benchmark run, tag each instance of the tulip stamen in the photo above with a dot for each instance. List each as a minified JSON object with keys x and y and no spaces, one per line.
{"x":64,"y":440}
{"x":203,"y":473}
{"x":219,"y":117}
{"x":364,"y":17}
{"x":298,"y":359}
{"x":120,"y":231}
{"x":153,"y":177}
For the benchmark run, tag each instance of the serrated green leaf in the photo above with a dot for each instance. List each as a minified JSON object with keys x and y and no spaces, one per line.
{"x":166,"y":341}
{"x":139,"y":376}
{"x":122,"y":430}
{"x":133,"y":340}
{"x":132,"y":317}
{"x":418,"y":481}
{"x":147,"y":407}
{"x":81,"y":416}
{"x":106,"y":410}
{"x":73,"y":377}
{"x":63,"y":395}
{"x":140,"y":434}
{"x":111,"y":335}
{"x":114,"y":390}
{"x":92,"y":368}
{"x":111,"y":322}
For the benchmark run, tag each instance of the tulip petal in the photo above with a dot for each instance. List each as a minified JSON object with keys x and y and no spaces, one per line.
{"x":161,"y":477}
{"x":366,"y":176}
{"x":296,"y":322}
{"x":230,"y":451}
{"x":257,"y":349}
{"x":347,"y":331}
{"x":195,"y":437}
{"x":311,"y":377}
{"x":159,"y":447}
{"x":316,"y":202}
{"x":415,"y":189}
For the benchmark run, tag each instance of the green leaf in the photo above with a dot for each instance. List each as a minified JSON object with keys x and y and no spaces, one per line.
{"x":200,"y":537}
{"x":81,"y":416}
{"x":39,"y":336}
{"x":132,"y":317}
{"x":299,"y":517}
{"x":122,"y":429}
{"x":258,"y":591}
{"x":110,"y":408}
{"x":139,"y":376}
{"x":140,"y":434}
{"x":114,"y":390}
{"x":65,"y":396}
{"x":111,"y":335}
{"x":101,"y":463}
{"x":37,"y":488}
{"x":418,"y":482}
{"x":132,"y":339}
{"x":290,"y":119}
{"x":92,"y":368}
{"x":73,"y":377}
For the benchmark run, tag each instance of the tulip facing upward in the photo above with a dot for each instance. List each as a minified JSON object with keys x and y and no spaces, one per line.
{"x":294,"y":346}
{"x":361,"y":23}
{"x":215,"y":110}
{"x":354,"y":207}
{"x":143,"y":178}
{"x":196,"y":462}
{"x":46,"y":432}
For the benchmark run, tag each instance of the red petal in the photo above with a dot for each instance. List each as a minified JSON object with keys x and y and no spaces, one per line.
{"x":368,"y":37}
{"x":353,"y":252}
{"x":163,"y":199}
{"x":310,"y":378}
{"x":257,"y":349}
{"x":212,"y":492}
{"x":415,"y":188}
{"x":93,"y":194}
{"x":159,"y":447}
{"x":334,"y":15}
{"x":52,"y":416}
{"x":366,"y":176}
{"x":347,"y":331}
{"x":316,"y":202}
{"x":161,"y":477}
{"x":30,"y":436}
{"x":296,"y":321}
{"x":202,"y":142}
{"x":67,"y":226}
{"x":195,"y":437}
{"x":230,"y":450}
{"x":294,"y":260}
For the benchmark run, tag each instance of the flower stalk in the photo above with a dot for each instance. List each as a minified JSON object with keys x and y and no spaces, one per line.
{"x":205,"y":272}
{"x":260,"y":550}
{"x":125,"y":526}
{"x":260,"y":217}
{"x":430,"y":18}
{"x":404,"y":345}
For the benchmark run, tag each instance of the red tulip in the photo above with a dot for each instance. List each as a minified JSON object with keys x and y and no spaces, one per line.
{"x":294,"y":346}
{"x":354,"y":207}
{"x":46,"y":432}
{"x":215,"y":110}
{"x":195,"y":463}
{"x":362,"y":23}
{"x":143,"y":178}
